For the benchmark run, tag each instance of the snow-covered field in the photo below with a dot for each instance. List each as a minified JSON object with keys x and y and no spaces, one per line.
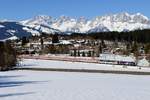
{"x":37,"y":63}
{"x":47,"y":85}
{"x":38,"y":85}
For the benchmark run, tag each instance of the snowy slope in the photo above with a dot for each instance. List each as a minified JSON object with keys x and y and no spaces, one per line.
{"x":12,"y":30}
{"x":114,"y":22}
{"x":30,"y":85}
{"x":41,"y":24}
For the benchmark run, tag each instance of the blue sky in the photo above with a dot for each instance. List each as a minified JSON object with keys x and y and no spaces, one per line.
{"x":24,"y":9}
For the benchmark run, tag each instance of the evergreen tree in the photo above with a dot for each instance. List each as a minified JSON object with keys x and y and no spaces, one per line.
{"x":55,"y":38}
{"x":24,"y":41}
{"x":78,"y":53}
{"x":83,"y":54}
{"x":42,"y":42}
{"x":100,"y":48}
{"x":89,"y":54}
{"x":74,"y":52}
{"x":7,"y":57}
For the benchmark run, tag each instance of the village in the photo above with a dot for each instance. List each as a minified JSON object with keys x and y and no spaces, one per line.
{"x":79,"y":49}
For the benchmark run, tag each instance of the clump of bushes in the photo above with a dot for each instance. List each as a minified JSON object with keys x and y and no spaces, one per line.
{"x":8,"y":57}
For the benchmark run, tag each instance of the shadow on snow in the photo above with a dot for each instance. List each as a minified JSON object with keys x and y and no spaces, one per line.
{"x":11,"y":81}
{"x":15,"y":94}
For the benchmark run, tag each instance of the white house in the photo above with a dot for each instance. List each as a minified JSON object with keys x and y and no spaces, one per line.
{"x":108,"y":58}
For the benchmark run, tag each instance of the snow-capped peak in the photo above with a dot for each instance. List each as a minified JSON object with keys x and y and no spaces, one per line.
{"x":40,"y":19}
{"x":114,"y":22}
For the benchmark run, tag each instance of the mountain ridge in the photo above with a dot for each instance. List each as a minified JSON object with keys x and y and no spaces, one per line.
{"x":120,"y":22}
{"x":114,"y":22}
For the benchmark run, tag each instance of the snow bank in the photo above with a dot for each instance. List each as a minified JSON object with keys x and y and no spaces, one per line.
{"x":143,"y":63}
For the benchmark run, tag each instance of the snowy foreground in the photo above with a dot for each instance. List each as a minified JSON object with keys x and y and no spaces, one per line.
{"x":38,"y":85}
{"x":37,"y":63}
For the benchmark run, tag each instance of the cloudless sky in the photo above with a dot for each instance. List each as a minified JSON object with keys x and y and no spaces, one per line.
{"x":24,"y":9}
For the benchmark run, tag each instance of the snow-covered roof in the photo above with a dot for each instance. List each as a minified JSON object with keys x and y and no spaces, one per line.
{"x":113,"y":57}
{"x":65,"y":42}
{"x":10,"y":38}
{"x":143,"y":63}
{"x":46,"y":43}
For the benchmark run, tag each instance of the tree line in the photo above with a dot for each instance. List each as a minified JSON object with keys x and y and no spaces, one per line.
{"x":140,"y":36}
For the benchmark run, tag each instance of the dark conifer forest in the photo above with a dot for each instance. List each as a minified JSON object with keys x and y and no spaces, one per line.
{"x":140,"y":36}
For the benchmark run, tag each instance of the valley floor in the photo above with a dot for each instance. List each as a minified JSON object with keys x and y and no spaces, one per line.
{"x":39,"y":85}
{"x":52,"y":85}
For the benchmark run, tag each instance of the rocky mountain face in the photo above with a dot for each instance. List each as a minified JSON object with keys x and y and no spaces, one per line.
{"x":115,"y":22}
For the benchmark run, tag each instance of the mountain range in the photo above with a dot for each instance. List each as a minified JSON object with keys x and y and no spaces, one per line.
{"x":66,"y":25}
